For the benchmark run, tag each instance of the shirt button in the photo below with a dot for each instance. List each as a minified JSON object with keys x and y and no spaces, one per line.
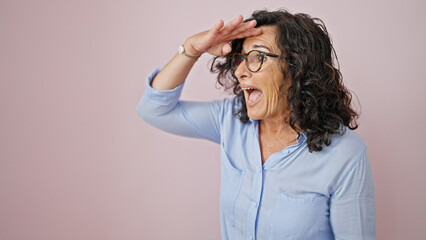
{"x":255,"y":204}
{"x":251,"y":237}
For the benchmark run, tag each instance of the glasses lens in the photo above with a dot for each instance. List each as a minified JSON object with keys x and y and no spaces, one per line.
{"x":254,"y":61}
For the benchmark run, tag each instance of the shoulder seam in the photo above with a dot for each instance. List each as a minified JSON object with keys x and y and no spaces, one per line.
{"x":359,"y":157}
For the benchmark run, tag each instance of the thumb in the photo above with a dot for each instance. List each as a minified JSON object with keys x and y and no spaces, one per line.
{"x":226,"y":49}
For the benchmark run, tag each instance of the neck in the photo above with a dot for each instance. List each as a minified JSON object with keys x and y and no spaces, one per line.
{"x":276,"y":126}
{"x":275,"y":135}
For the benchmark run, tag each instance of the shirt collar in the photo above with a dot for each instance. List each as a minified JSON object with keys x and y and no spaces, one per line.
{"x":301,"y":138}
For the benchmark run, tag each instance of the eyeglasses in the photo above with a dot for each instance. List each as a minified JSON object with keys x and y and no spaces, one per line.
{"x":254,"y":60}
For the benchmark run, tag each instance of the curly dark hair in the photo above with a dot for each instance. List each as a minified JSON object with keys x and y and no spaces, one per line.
{"x":320,"y":105}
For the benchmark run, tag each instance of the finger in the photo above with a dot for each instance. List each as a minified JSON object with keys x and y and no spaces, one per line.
{"x":247,"y":33}
{"x":244,"y":27}
{"x":232,"y":25}
{"x":212,"y":33}
{"x":249,"y":24}
{"x":216,"y":28}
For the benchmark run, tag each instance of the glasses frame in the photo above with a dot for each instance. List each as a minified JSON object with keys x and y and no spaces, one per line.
{"x":244,"y":58}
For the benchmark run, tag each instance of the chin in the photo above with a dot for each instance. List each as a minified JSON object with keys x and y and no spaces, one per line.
{"x":254,"y":115}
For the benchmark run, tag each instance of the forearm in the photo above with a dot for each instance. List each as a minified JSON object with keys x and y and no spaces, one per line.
{"x":175,"y":72}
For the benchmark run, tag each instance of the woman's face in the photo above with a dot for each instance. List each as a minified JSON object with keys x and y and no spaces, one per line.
{"x":262,"y":88}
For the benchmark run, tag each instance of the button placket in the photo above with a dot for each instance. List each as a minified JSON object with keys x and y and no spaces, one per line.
{"x":257,"y":189}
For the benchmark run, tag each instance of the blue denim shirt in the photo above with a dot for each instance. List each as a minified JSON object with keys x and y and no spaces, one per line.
{"x":295,"y":194}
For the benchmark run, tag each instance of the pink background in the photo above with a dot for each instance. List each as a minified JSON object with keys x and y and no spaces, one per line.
{"x":77,"y":162}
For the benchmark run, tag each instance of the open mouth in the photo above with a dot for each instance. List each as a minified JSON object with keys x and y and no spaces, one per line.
{"x":253,"y":96}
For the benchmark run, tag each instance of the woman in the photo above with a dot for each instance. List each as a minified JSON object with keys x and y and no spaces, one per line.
{"x":291,"y":166}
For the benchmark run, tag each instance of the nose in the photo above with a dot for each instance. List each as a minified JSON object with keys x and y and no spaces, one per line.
{"x":242,"y":71}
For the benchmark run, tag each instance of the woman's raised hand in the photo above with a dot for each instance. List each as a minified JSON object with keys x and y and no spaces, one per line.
{"x":216,"y":40}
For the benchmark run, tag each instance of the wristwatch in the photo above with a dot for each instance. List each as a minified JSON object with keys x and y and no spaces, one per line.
{"x":181,"y":50}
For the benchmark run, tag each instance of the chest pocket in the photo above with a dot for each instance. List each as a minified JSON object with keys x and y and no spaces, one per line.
{"x":300,"y":218}
{"x":231,"y":181}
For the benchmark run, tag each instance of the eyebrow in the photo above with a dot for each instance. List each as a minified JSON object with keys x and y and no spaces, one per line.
{"x":258,"y":46}
{"x":261,"y":46}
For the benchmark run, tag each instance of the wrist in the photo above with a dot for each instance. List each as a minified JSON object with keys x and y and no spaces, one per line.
{"x":190,"y":50}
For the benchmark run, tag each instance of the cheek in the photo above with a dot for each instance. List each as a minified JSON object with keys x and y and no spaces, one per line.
{"x":272,"y":88}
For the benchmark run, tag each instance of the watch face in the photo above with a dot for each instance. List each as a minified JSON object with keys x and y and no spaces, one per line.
{"x":181,"y":49}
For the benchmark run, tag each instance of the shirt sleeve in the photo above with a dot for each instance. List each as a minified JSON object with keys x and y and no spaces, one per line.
{"x":162,"y":109}
{"x":352,"y":205}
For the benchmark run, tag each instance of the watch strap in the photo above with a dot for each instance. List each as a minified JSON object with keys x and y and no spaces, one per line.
{"x":181,"y":50}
